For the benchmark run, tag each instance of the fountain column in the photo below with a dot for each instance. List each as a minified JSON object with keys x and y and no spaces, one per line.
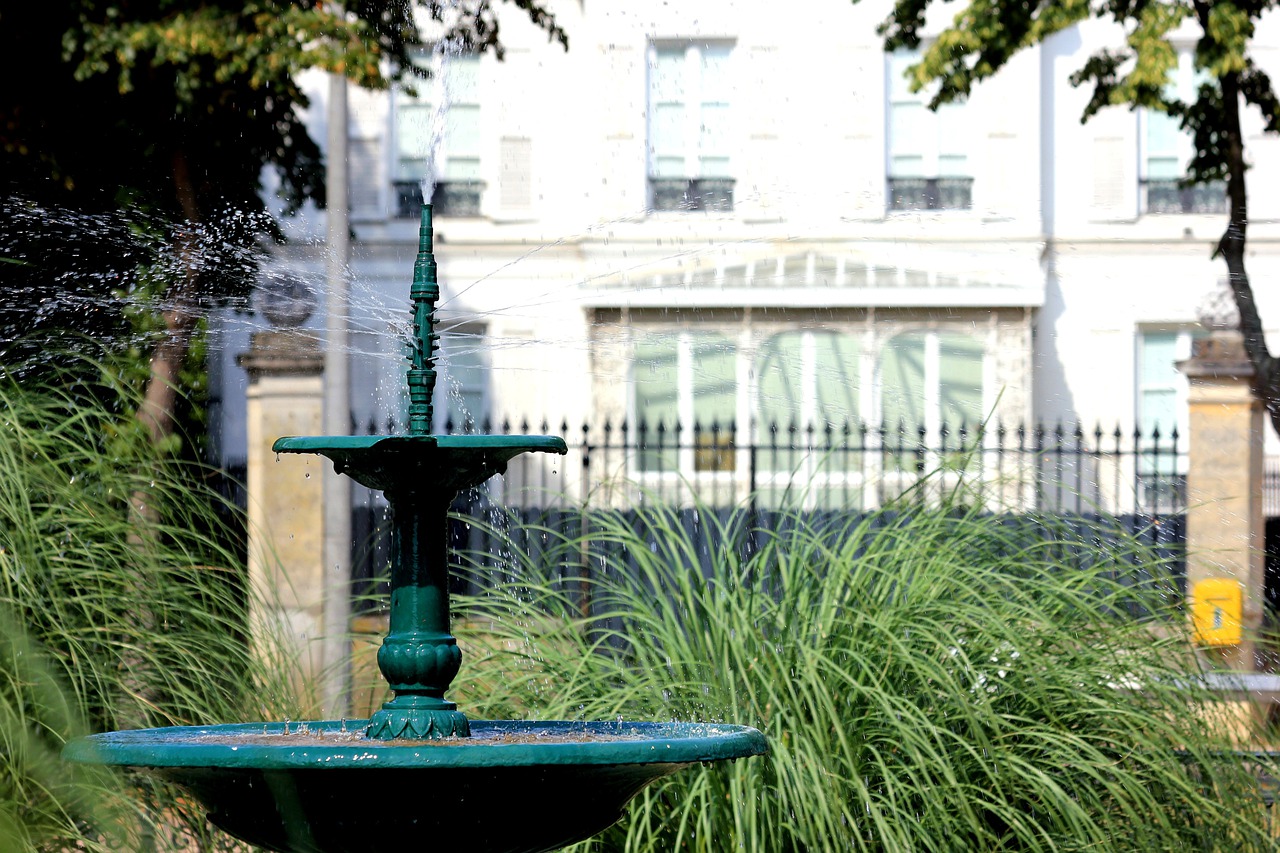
{"x":1224,"y":499}
{"x":286,"y":500}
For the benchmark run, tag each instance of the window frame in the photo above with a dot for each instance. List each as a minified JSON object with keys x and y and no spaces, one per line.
{"x":1147,"y":468}
{"x":694,"y":190}
{"x":468,"y":378}
{"x":439,"y":95}
{"x":691,"y":460}
{"x":1202,"y":199}
{"x":933,"y":188}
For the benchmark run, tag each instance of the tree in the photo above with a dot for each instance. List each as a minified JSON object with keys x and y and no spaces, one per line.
{"x":985,"y":34}
{"x":133,"y":137}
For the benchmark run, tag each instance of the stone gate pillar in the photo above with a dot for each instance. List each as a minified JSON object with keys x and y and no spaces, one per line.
{"x":1224,"y":485}
{"x":286,"y":500}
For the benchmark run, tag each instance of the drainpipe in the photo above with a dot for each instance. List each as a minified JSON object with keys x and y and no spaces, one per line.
{"x":336,"y":644}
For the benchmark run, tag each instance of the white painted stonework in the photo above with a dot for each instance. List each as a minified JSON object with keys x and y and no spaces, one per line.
{"x":1054,"y":266}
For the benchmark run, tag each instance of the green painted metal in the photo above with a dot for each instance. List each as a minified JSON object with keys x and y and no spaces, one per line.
{"x":420,"y":475}
{"x":437,"y":778}
{"x":450,"y":463}
{"x":557,"y":783}
{"x":506,"y":743}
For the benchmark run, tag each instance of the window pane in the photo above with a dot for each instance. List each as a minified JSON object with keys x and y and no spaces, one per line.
{"x":953,"y":132}
{"x":909,"y":129}
{"x":960,"y":381}
{"x":713,"y":136}
{"x":899,"y":87}
{"x":1159,"y":409}
{"x":714,"y":167}
{"x":667,"y":82}
{"x":666,"y":140}
{"x":461,"y":169}
{"x":902,"y":384}
{"x":413,"y":140}
{"x":836,"y":378}
{"x":715,"y":380}
{"x":778,"y":381}
{"x":460,"y":393}
{"x":462,"y":134}
{"x":778,"y":400}
{"x":1157,"y":360}
{"x":715,"y":402}
{"x":716,"y":84}
{"x":1163,"y":133}
{"x":462,"y":80}
{"x":655,"y":373}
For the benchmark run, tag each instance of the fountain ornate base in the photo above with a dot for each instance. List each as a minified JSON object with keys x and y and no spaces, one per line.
{"x":418,"y":718}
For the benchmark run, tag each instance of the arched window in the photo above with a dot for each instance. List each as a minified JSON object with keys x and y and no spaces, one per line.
{"x":931,"y":381}
{"x":686,"y":398}
{"x":804,"y":379}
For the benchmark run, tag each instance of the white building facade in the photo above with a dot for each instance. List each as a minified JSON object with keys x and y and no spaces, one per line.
{"x":743,"y":220}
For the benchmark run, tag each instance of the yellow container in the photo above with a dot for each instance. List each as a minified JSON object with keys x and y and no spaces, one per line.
{"x":1217,"y":605}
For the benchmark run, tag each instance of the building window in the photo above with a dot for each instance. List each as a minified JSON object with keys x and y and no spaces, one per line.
{"x":1162,"y":414}
{"x":686,"y":392}
{"x":806,"y":383}
{"x":929,"y":166}
{"x":1168,"y":149}
{"x":461,"y":397}
{"x":438,"y":140}
{"x":689,"y":139}
{"x":931,"y":391}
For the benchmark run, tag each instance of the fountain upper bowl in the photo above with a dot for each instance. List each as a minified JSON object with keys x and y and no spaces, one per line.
{"x":451,"y":463}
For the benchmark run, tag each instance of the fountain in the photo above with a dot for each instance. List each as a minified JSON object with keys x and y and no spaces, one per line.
{"x":418,"y":770}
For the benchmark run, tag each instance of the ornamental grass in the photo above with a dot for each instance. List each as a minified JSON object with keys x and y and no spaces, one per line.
{"x":929,"y":679}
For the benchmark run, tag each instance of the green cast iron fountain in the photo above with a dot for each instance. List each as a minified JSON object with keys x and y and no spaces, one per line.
{"x":418,"y":772}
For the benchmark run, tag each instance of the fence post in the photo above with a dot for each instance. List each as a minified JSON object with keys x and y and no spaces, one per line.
{"x":584,"y":540}
{"x":1224,"y":484}
{"x":285,"y":370}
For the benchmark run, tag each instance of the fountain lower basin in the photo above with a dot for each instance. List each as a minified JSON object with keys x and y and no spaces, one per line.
{"x":512,"y":787}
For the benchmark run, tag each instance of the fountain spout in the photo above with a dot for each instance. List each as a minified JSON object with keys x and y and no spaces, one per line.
{"x":423,"y":294}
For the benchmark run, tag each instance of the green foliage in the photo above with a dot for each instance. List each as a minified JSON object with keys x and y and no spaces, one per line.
{"x":985,"y":34}
{"x":107,"y":619}
{"x":931,"y":680}
{"x":162,"y":116}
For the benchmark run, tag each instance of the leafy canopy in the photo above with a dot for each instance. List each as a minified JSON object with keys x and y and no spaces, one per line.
{"x":1137,"y":72}
{"x":134,"y":137}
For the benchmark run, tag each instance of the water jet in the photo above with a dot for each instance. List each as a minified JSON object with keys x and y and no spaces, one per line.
{"x":418,"y":770}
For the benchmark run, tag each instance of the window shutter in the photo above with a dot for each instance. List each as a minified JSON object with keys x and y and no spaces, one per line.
{"x":515,"y":176}
{"x":1113,"y":160}
{"x":1000,"y":188}
{"x":620,"y":92}
{"x":366,"y":179}
{"x":761,"y":171}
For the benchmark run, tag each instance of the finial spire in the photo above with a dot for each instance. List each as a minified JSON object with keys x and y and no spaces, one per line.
{"x":424,"y":293}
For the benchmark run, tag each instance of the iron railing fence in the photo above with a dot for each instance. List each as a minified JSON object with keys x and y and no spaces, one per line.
{"x":846,"y":466}
{"x":1069,"y":484}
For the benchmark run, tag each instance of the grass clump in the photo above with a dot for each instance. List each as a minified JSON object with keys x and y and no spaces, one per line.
{"x":111,"y":616}
{"x":927,"y":680}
